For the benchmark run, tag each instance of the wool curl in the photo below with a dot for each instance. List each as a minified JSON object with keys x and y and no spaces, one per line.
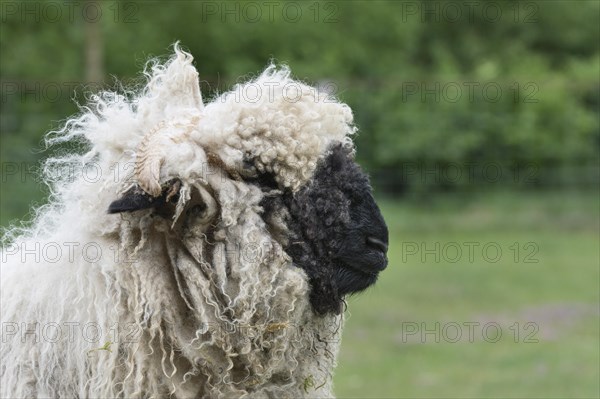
{"x":203,"y":303}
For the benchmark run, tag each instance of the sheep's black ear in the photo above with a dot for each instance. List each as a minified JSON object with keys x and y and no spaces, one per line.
{"x":136,"y":199}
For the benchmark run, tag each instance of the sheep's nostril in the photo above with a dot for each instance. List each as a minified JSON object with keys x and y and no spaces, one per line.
{"x":377,"y":243}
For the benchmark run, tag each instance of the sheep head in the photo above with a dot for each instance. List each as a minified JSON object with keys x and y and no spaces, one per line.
{"x":336,"y":232}
{"x":316,"y":202}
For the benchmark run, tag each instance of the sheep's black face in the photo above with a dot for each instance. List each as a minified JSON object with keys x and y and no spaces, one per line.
{"x":338,"y":234}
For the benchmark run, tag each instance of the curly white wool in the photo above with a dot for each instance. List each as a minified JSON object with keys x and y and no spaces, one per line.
{"x":183,"y":314}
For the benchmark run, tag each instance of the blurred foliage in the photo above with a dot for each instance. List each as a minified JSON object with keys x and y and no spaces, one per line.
{"x":434,"y":85}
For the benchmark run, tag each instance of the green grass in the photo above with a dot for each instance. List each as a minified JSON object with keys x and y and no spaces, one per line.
{"x":559,"y":294}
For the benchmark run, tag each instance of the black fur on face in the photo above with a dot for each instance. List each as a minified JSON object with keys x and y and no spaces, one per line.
{"x":338,"y":235}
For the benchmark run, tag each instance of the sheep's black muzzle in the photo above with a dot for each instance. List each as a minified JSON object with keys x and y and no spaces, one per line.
{"x":363,"y":253}
{"x":340,"y":236}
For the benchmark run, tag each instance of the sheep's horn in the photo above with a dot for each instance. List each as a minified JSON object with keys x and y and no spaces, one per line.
{"x":187,"y":97}
{"x":149,"y":159}
{"x":151,"y":152}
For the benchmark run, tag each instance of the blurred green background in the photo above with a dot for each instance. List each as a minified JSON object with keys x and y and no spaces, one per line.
{"x":478,"y":123}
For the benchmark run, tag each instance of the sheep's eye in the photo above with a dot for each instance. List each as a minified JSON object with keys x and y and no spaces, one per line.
{"x":264,"y":180}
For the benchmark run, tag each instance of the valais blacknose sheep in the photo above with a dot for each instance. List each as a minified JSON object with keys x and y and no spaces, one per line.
{"x":192,"y":250}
